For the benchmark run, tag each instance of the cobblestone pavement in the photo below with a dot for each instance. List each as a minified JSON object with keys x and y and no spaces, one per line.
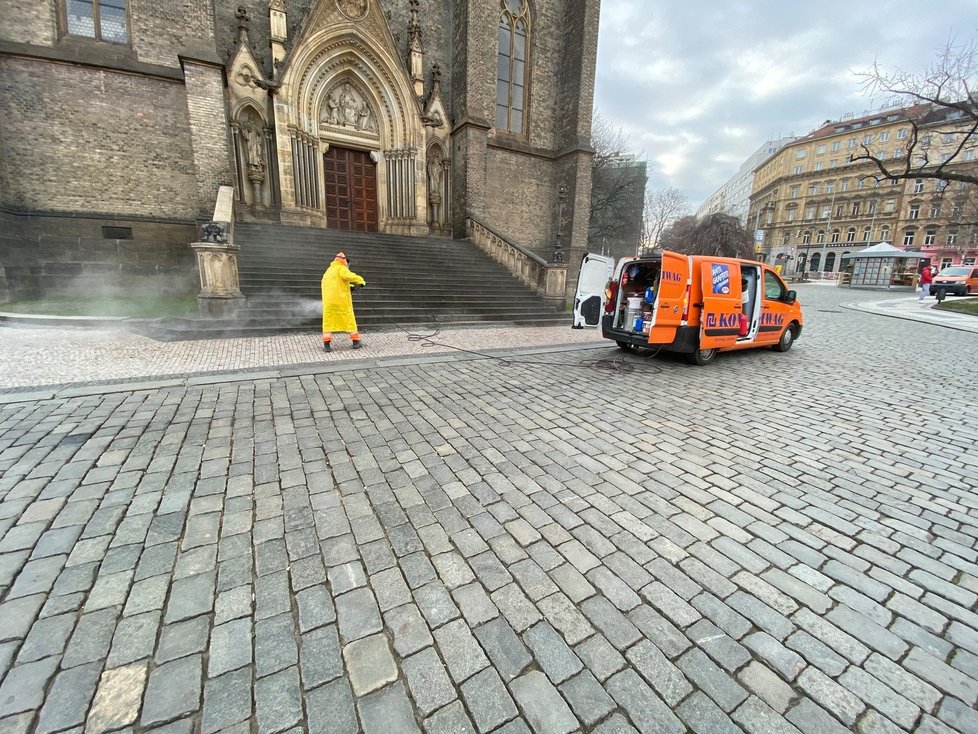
{"x":774,"y":543}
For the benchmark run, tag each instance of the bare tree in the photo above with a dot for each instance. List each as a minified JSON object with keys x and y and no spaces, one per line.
{"x":942,"y":108}
{"x":721,"y":235}
{"x":662,"y":208}
{"x":617,"y":187}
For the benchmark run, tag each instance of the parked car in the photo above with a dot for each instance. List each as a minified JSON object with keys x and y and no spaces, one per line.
{"x":958,"y":280}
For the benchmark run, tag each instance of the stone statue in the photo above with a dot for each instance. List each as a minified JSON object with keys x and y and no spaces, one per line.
{"x":349,"y":106}
{"x":255,"y":140}
{"x":354,"y":9}
{"x":366,"y":118}
{"x":434,"y":180}
{"x":332,"y":109}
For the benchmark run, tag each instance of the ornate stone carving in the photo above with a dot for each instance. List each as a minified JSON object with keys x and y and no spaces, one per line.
{"x":353,"y":9}
{"x":346,"y":107}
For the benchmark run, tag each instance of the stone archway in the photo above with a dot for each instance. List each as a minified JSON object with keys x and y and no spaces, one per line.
{"x":343,"y":86}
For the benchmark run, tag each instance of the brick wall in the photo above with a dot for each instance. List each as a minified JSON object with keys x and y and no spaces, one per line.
{"x":77,"y":139}
{"x":209,"y":132}
{"x":28,"y":22}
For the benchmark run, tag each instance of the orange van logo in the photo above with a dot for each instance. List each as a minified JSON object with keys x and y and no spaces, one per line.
{"x":772,"y":319}
{"x":722,"y":320}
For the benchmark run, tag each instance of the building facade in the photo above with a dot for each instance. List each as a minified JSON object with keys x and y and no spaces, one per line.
{"x":122,"y":119}
{"x":813,"y":206}
{"x":733,"y":197}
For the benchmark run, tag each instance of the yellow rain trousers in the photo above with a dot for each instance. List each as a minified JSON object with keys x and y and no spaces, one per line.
{"x":337,"y":301}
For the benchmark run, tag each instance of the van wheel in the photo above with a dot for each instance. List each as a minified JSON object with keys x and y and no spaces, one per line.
{"x":703,"y":357}
{"x":786,"y":340}
{"x":625,"y":346}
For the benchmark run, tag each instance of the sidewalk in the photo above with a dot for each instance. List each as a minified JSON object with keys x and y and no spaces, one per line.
{"x":908,"y":307}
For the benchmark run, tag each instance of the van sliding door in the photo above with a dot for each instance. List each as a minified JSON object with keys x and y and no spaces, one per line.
{"x":720,"y":319}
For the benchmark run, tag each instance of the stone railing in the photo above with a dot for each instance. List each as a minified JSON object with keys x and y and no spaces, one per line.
{"x":549,"y":280}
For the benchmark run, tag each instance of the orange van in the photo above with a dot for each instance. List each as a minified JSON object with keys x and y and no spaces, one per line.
{"x":693,"y":304}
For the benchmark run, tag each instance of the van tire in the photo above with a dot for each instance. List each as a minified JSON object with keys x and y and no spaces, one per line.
{"x":625,"y":346}
{"x":703,"y":357}
{"x":786,"y":340}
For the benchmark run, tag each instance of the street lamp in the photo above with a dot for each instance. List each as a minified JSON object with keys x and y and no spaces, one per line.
{"x":558,"y":252}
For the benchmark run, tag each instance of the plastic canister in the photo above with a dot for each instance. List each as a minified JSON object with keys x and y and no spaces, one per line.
{"x":635,"y":303}
{"x":639,"y":324}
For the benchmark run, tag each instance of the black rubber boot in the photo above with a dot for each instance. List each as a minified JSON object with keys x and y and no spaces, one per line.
{"x":326,"y":347}
{"x":356,"y":344}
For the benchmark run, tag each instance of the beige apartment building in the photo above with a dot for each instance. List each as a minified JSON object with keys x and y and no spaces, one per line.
{"x":813,"y":206}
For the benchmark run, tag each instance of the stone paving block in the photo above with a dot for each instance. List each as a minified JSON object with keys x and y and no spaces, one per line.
{"x":840,"y":701}
{"x":643,"y":706}
{"x":835,"y":638}
{"x":47,"y":636}
{"x":518,"y":610}
{"x":369,"y":664}
{"x":703,"y":716}
{"x":787,"y":663}
{"x":881,"y":697}
{"x":553,"y":655}
{"x":278,"y":701}
{"x":724,"y":650}
{"x":670,"y":605}
{"x":816,"y":653}
{"x":315,"y":608}
{"x":330,"y":709}
{"x":346,"y":577}
{"x":659,"y":672}
{"x":319,"y":657}
{"x":275,"y":645}
{"x":173,"y":689}
{"x":475,"y":604}
{"x":91,"y":639}
{"x":544,"y":708}
{"x":436,"y":604}
{"x":655,"y":627}
{"x":227,"y":701}
{"x":942,"y":676}
{"x":451,"y":719}
{"x":23,"y":686}
{"x":572,"y":583}
{"x":508,"y":654}
{"x":868,"y":632}
{"x":386,"y":711}
{"x":181,"y":639}
{"x":358,"y":614}
{"x":488,"y":700}
{"x":756,"y":717}
{"x":428,"y":681}
{"x":234,"y":603}
{"x":190,"y":597}
{"x":459,"y":649}
{"x":616,"y":724}
{"x":117,"y":700}
{"x":408,"y":628}
{"x":705,"y":675}
{"x":230,"y":647}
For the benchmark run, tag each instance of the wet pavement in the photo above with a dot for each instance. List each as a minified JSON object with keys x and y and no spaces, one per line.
{"x":550,"y":539}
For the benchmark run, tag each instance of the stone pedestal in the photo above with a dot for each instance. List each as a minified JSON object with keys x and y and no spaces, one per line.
{"x":220,"y":294}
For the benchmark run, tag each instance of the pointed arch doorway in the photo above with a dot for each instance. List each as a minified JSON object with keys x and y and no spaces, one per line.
{"x":351,"y":189}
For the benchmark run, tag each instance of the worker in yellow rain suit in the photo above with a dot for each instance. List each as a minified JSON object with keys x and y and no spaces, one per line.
{"x":337,"y":301}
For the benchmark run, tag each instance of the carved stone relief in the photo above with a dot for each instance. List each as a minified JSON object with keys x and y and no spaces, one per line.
{"x":352,"y":9}
{"x":346,"y":107}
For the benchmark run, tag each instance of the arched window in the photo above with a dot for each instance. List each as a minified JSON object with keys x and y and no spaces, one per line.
{"x":867,"y":233}
{"x":850,"y":235}
{"x":816,"y":258}
{"x":829,"y":263}
{"x":908,"y":235}
{"x":820,"y":237}
{"x":884,"y":233}
{"x":806,"y":237}
{"x":511,"y":71}
{"x":835,"y":235}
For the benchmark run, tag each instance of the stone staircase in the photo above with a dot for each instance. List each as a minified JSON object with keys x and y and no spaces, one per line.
{"x":410,"y":281}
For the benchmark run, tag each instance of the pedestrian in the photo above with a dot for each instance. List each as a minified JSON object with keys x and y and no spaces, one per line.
{"x":338,"y":280}
{"x":926,"y":277}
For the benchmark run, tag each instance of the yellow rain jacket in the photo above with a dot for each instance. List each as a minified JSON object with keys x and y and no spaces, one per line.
{"x":337,"y":301}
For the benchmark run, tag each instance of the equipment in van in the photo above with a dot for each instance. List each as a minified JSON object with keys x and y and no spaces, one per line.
{"x":698,"y":304}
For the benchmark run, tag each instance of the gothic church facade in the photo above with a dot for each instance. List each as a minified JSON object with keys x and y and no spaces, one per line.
{"x":119,"y":120}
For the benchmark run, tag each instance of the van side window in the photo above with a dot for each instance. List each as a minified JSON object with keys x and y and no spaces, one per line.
{"x":774,"y":289}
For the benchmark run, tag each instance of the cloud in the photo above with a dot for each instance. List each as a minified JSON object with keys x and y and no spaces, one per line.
{"x":698,"y":86}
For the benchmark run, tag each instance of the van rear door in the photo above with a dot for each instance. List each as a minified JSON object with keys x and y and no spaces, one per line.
{"x":670,"y":300}
{"x":720,"y":319}
{"x":589,"y":301}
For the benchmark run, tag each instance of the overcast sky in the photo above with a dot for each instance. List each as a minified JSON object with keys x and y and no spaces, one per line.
{"x":698,"y":85}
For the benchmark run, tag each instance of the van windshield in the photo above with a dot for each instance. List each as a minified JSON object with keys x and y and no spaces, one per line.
{"x":955,"y":271}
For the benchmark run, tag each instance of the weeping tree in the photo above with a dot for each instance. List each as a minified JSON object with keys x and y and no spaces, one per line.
{"x":721,"y":235}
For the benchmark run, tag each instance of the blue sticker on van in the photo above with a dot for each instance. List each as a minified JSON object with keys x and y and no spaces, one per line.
{"x":721,"y":278}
